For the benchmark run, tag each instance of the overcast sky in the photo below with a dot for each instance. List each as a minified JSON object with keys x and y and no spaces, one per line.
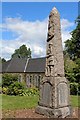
{"x":26,"y":23}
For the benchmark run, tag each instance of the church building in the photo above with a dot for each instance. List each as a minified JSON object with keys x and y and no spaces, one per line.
{"x":30,"y":70}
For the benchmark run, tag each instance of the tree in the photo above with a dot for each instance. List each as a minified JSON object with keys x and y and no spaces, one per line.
{"x":2,"y":60}
{"x":22,"y":52}
{"x":69,"y":66}
{"x":72,"y":55}
{"x":72,"y":46}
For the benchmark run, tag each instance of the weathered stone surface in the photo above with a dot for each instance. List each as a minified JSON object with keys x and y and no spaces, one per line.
{"x":62,"y":88}
{"x":54,"y":60}
{"x":54,"y":90}
{"x":46,"y":96}
{"x":54,"y":113}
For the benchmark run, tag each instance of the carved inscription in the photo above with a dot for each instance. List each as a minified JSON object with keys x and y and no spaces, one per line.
{"x":46,"y":95}
{"x":62,"y":94}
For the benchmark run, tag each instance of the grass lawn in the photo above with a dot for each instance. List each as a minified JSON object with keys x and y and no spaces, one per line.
{"x":21,"y":102}
{"x":18,"y":102}
{"x":0,"y":101}
{"x":75,"y":101}
{"x":12,"y":103}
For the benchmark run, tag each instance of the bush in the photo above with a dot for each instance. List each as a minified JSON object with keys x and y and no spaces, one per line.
{"x":74,"y":88}
{"x":5,"y":90}
{"x":15,"y":89}
{"x":79,"y":89}
{"x":31,"y":91}
{"x":11,"y":86}
{"x":19,"y":89}
{"x":0,"y":90}
{"x":8,"y":79}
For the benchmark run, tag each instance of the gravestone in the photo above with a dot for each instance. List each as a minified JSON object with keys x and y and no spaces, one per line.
{"x":54,"y":89}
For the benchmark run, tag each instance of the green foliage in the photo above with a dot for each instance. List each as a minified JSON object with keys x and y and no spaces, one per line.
{"x":22,"y":52}
{"x":72,"y":71}
{"x":30,"y":92}
{"x":19,"y":89}
{"x":15,"y":89}
{"x":72,"y":46}
{"x":79,"y":89}
{"x":70,"y":66}
{"x":2,"y":60}
{"x":77,"y":74}
{"x":11,"y":86}
{"x":72,"y":55}
{"x":5,"y":90}
{"x":73,"y":88}
{"x":8,"y":79}
{"x":0,"y":90}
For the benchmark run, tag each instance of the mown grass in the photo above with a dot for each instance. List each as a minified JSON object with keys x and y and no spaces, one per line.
{"x":75,"y":101}
{"x":19,"y":102}
{"x":0,"y":101}
{"x":26,"y":102}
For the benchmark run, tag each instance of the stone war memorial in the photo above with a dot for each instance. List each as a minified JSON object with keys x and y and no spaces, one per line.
{"x":54,"y":89}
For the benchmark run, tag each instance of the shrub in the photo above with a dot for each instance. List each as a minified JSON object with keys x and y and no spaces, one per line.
{"x":73,"y":88}
{"x":8,"y":79}
{"x":0,"y":90}
{"x":15,"y":89}
{"x":11,"y":86}
{"x":18,"y":89}
{"x":79,"y":89}
{"x":31,"y":91}
{"x":5,"y":90}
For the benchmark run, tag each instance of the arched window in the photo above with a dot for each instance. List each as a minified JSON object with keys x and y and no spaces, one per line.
{"x":28,"y":81}
{"x":20,"y":78}
{"x":36,"y":81}
{"x":39,"y":78}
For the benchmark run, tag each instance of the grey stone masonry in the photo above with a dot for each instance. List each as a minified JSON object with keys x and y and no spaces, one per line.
{"x":54,"y":60}
{"x":54,"y":89}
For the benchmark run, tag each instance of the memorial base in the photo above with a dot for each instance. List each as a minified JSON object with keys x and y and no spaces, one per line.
{"x":63,"y":112}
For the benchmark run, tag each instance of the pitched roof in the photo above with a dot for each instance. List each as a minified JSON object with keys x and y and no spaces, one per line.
{"x":20,"y":65}
{"x":5,"y":65}
{"x":15,"y":65}
{"x":36,"y":65}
